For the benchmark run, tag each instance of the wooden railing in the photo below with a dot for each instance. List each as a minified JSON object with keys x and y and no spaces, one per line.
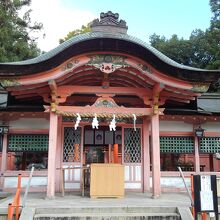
{"x":85,"y":170}
{"x":15,"y":205}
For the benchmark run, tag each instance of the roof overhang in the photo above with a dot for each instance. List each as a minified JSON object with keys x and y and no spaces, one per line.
{"x":209,"y":103}
{"x":105,"y":42}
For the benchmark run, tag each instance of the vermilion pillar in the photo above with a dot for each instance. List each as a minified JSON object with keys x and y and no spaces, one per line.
{"x":52,"y":155}
{"x":4,"y":159}
{"x":4,"y":153}
{"x":146,"y":156}
{"x":115,"y":153}
{"x":58,"y":156}
{"x":197,"y":162}
{"x":155,"y":146}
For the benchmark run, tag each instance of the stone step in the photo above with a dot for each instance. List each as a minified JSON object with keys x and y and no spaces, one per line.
{"x":129,"y":209}
{"x":108,"y":216}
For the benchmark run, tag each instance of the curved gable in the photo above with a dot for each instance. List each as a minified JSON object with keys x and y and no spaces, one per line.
{"x":105,"y":42}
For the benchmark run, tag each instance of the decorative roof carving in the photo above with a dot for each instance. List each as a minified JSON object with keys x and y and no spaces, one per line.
{"x":109,"y":23}
{"x":107,"y":63}
{"x":200,"y":87}
{"x":9,"y":82}
{"x":105,"y":102}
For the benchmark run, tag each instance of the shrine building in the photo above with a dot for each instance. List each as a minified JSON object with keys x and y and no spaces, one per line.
{"x":107,"y":97}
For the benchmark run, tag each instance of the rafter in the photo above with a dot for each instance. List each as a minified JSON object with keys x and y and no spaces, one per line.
{"x":25,"y":88}
{"x":140,"y":75}
{"x":181,"y":91}
{"x":171,"y":95}
{"x":74,"y":76}
{"x":37,"y":91}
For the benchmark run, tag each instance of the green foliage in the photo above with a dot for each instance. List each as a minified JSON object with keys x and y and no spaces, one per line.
{"x":177,"y":49}
{"x":15,"y":40}
{"x":215,"y":8}
{"x":201,"y":50}
{"x":83,"y":30}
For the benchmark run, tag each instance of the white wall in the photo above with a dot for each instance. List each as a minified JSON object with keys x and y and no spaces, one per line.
{"x":178,"y":126}
{"x":173,"y":182}
{"x":30,"y":123}
{"x":11,"y":182}
{"x":211,"y":127}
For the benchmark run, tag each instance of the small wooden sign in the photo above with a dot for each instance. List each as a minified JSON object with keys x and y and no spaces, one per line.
{"x":205,"y":194}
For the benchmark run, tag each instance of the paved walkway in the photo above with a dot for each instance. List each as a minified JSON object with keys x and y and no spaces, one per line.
{"x":38,"y":200}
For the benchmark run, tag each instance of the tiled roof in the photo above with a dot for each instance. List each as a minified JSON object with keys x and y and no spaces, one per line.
{"x":97,"y":35}
{"x":93,"y":42}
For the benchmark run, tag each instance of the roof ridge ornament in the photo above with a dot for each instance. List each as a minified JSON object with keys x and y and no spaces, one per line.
{"x":109,"y":23}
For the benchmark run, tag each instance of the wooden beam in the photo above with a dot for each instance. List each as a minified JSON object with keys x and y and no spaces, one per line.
{"x":119,"y":100}
{"x":180,"y":96}
{"x":31,"y":91}
{"x":69,"y":90}
{"x":175,"y":99}
{"x":182,"y":91}
{"x":103,"y":110}
{"x":27,"y":87}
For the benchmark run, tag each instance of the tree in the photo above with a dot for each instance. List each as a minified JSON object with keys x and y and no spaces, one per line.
{"x":175,"y":48}
{"x":16,"y":42}
{"x":201,"y":50}
{"x":215,"y":8}
{"x":83,"y":30}
{"x":213,"y":34}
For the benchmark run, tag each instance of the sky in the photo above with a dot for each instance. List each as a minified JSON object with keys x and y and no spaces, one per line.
{"x":143,"y":17}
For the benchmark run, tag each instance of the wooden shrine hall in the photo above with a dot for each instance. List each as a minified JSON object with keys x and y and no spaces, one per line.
{"x":105,"y":97}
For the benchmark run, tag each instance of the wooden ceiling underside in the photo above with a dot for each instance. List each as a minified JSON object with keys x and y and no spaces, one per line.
{"x":90,"y":76}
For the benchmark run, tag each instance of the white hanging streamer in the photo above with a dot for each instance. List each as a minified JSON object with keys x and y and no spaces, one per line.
{"x":95,"y":122}
{"x":134,"y":118}
{"x":78,"y":119}
{"x":112,"y":125}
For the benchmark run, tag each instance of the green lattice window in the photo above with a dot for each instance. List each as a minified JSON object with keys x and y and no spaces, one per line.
{"x":210,"y":145}
{"x":176,"y":145}
{"x":28,"y":142}
{"x":132,"y":145}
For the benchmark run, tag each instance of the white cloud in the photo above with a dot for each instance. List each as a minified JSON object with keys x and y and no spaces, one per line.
{"x":57,"y":20}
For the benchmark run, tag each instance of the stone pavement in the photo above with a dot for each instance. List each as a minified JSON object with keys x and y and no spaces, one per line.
{"x":131,"y":199}
{"x":72,"y":204}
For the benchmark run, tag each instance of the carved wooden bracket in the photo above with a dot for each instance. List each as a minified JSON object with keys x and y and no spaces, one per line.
{"x":155,"y":97}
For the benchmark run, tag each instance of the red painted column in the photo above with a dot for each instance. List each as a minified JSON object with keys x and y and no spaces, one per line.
{"x":4,"y":153}
{"x":59,"y":156}
{"x":52,"y":155}
{"x":146,"y":156}
{"x":196,"y":158}
{"x":155,"y":147}
{"x":4,"y":159}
